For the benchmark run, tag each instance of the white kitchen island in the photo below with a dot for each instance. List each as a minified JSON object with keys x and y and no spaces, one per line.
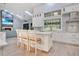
{"x":46,"y":39}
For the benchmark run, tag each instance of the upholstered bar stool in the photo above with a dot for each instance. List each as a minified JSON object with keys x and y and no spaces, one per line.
{"x":18,"y":37}
{"x":34,"y":41}
{"x":25,"y":40}
{"x":22,"y":39}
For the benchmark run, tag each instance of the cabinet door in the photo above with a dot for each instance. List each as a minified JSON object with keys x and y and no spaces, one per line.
{"x":38,"y":22}
{"x":72,"y":27}
{"x":71,"y":8}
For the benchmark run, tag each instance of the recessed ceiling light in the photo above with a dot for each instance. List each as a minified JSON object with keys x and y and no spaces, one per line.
{"x":19,"y":16}
{"x":6,"y":10}
{"x":27,"y":12}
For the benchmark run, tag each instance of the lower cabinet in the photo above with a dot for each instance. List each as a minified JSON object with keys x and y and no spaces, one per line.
{"x":71,"y":38}
{"x":3,"y":38}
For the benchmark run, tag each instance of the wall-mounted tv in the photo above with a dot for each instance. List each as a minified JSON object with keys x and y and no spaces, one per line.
{"x":7,"y":20}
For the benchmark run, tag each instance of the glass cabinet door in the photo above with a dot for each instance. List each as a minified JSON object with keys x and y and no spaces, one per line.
{"x":52,"y":24}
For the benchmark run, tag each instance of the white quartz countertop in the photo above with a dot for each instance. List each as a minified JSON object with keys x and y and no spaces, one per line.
{"x":43,"y":32}
{"x":39,"y":32}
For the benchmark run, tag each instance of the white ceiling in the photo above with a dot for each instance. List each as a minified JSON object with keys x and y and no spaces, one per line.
{"x":20,"y":7}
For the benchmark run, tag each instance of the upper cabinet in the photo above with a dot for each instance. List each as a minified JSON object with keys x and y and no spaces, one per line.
{"x":74,"y":15}
{"x":56,"y":18}
{"x":52,"y":20}
{"x":71,"y":8}
{"x":37,"y":20}
{"x":53,"y":13}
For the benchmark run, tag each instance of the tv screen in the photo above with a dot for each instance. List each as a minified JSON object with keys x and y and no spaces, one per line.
{"x":7,"y":21}
{"x":7,"y":18}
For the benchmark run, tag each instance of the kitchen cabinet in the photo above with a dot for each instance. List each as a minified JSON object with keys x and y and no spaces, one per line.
{"x":37,"y":19}
{"x":71,"y":8}
{"x":3,"y":39}
{"x":71,"y":21}
{"x":66,"y":37}
{"x":37,"y":22}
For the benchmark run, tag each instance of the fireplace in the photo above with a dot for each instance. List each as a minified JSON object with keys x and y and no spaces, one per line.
{"x":8,"y":29}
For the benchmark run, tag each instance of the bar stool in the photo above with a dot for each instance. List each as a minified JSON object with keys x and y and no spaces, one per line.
{"x":25,"y":41}
{"x":22,"y":37}
{"x":34,"y":41}
{"x":18,"y":37}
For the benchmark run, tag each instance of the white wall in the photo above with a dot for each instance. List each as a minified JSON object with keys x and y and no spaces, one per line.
{"x":18,"y":24}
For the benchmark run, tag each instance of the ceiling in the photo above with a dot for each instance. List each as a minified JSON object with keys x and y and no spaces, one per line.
{"x":20,"y":7}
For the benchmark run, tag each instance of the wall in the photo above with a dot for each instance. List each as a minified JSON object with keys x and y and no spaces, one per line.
{"x":18,"y":24}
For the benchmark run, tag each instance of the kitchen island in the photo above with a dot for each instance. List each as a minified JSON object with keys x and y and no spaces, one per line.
{"x":44,"y":37}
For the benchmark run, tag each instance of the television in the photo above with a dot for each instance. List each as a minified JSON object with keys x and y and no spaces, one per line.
{"x":7,"y":20}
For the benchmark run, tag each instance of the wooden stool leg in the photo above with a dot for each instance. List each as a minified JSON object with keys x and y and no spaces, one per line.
{"x":35,"y":47}
{"x":27,"y":49}
{"x":35,"y":51}
{"x":29,"y":46}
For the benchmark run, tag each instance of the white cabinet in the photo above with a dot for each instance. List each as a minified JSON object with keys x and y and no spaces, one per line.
{"x":74,"y":15}
{"x":37,"y":19}
{"x":73,"y":27}
{"x":3,"y":38}
{"x":37,"y":22}
{"x":71,"y":38}
{"x":71,"y":8}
